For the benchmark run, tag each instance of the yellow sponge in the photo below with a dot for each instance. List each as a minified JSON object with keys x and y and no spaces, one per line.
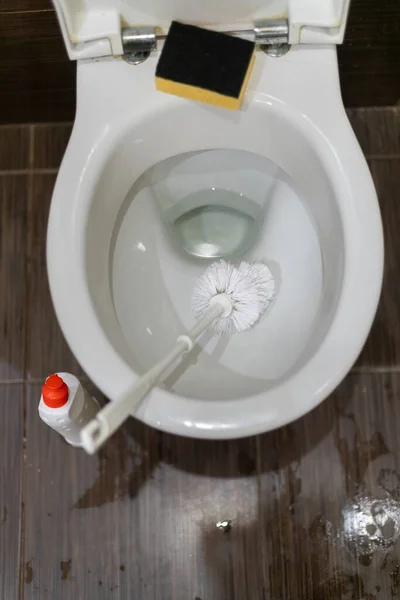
{"x":203,"y":65}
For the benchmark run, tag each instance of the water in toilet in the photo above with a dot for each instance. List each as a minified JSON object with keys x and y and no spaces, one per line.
{"x":210,"y":212}
{"x":213,"y":229}
{"x":194,"y":207}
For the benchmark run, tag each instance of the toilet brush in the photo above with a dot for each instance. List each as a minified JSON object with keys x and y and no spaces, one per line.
{"x":227,"y":299}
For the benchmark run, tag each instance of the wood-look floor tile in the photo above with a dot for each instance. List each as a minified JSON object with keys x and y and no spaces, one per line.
{"x":13,"y":281}
{"x":35,"y":71}
{"x":31,"y":42}
{"x":139,"y":520}
{"x":369,"y":58}
{"x":50,"y":142}
{"x":47,"y":349}
{"x":383,"y":345}
{"x":11,"y":433}
{"x":377,"y":130}
{"x":330,"y":497}
{"x":196,"y":485}
{"x":39,"y":105}
{"x":25,"y":5}
{"x":14,"y":147}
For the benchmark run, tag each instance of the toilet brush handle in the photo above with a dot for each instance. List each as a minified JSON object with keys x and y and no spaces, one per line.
{"x":111,"y":417}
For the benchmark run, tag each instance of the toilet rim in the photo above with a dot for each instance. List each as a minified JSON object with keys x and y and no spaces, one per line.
{"x":237,"y":418}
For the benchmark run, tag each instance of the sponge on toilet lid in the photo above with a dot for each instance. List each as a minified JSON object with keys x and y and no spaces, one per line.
{"x":203,"y":65}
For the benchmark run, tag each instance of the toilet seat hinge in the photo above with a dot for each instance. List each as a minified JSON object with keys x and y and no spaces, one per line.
{"x":270,"y":35}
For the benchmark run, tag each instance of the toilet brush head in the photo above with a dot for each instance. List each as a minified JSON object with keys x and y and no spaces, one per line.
{"x":250,"y":287}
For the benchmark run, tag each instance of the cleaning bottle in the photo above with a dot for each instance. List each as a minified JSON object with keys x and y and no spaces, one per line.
{"x":66,"y":406}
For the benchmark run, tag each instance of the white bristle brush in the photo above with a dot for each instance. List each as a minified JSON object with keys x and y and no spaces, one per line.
{"x":227,"y":299}
{"x":246,"y":290}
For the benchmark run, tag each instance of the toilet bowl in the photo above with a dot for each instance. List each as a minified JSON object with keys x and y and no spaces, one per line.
{"x":122,"y":286}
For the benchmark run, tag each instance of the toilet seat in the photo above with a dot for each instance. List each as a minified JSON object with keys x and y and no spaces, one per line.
{"x":93,"y":28}
{"x":299,"y":93}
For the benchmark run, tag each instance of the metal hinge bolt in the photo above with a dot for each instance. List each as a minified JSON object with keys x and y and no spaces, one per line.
{"x":271,"y":36}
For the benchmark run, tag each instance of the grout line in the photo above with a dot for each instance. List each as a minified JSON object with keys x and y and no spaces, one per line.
{"x":39,"y":124}
{"x":26,"y":12}
{"x":29,"y":249}
{"x":55,"y":124}
{"x":383,"y":108}
{"x":21,"y":578}
{"x":13,"y":172}
{"x":36,"y":380}
{"x":382,"y":156}
{"x":11,"y":381}
{"x":13,"y":125}
{"x":31,"y":146}
{"x":371,"y":369}
{"x":260,"y":512}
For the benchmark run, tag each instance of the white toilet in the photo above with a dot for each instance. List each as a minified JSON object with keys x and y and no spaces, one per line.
{"x":121,"y":285}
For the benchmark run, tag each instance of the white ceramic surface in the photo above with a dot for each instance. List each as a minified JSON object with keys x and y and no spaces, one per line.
{"x":92,"y":28}
{"x":293,"y":116}
{"x":287,"y":240}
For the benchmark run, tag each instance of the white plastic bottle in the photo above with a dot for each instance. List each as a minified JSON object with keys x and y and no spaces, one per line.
{"x":66,"y":406}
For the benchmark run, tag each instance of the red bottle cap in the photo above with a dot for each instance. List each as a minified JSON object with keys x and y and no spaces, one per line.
{"x":55,"y":392}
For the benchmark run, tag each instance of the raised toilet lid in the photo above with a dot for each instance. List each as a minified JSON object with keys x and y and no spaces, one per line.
{"x":92,"y":28}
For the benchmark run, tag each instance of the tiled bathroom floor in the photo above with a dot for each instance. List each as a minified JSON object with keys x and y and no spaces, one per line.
{"x":314,"y":507}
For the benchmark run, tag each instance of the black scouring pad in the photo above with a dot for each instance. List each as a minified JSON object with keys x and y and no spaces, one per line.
{"x":205,"y":65}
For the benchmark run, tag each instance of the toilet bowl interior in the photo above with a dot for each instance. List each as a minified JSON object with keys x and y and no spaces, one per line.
{"x":143,"y":211}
